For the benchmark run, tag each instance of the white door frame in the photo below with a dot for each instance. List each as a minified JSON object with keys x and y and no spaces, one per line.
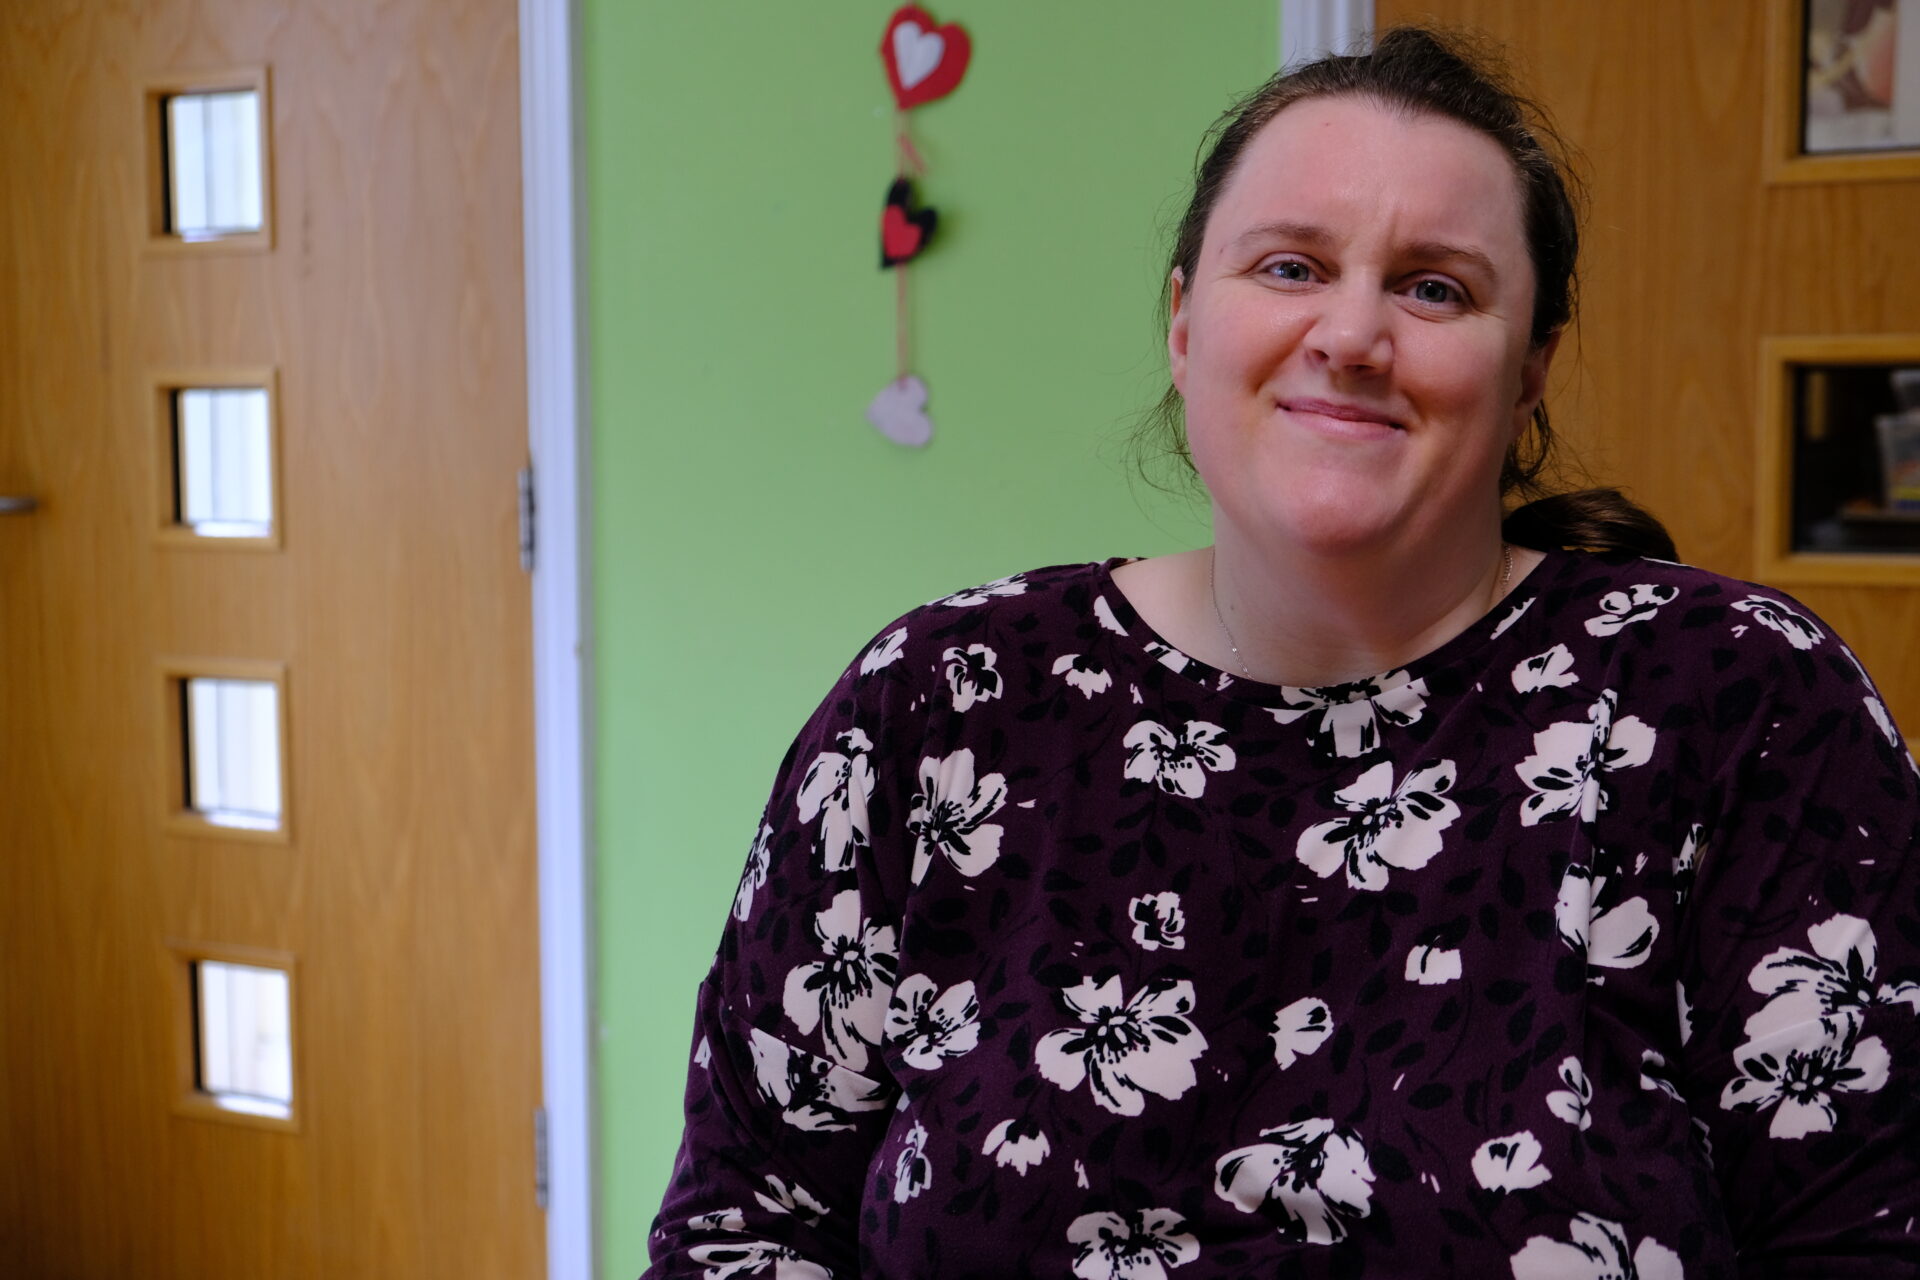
{"x":557,"y":435}
{"x":1309,"y":28}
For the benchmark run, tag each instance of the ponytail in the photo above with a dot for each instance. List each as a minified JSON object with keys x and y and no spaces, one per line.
{"x":1601,"y":520}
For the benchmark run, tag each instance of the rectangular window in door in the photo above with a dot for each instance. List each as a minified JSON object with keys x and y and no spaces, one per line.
{"x":224,"y":749}
{"x":217,"y":459}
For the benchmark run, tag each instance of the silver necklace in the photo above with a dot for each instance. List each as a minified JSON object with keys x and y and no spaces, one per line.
{"x":1213,"y":593}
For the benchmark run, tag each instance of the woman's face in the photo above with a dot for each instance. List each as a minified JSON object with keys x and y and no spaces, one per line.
{"x":1353,"y":347}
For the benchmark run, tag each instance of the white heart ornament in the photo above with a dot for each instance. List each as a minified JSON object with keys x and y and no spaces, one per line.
{"x":899,"y":412}
{"x":916,"y":53}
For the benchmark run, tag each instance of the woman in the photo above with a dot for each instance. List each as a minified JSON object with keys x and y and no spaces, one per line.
{"x":1385,"y":890}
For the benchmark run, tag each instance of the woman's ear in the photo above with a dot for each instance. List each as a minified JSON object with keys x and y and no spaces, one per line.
{"x":1177,"y":330}
{"x":1533,"y":382}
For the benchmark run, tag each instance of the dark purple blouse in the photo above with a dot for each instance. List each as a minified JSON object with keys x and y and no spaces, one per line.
{"x":1585,"y":946}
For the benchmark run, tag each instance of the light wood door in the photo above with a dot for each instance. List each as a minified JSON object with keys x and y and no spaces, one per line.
{"x":1692,"y":259}
{"x":388,"y":309}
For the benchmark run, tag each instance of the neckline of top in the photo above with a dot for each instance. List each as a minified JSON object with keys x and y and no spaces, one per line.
{"x":1147,"y":646}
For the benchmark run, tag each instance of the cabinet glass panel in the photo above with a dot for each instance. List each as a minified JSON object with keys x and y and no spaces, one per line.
{"x":1856,"y":458}
{"x":243,"y":1041}
{"x":233,"y":751}
{"x":223,"y":462}
{"x":213,"y":164}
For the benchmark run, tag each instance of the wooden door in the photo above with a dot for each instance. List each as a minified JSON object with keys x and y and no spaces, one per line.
{"x":385,"y":312}
{"x":1692,"y":259}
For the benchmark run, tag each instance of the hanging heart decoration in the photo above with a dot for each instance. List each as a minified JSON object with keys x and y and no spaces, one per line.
{"x":904,"y":231}
{"x":924,"y":60}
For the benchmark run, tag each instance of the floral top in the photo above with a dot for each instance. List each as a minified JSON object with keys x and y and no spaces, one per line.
{"x":1587,"y":945}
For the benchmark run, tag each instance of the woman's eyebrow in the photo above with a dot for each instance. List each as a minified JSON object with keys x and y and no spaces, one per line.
{"x":1309,"y":234}
{"x":1433,"y":251}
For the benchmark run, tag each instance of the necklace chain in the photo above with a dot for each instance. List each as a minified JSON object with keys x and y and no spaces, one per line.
{"x":1226,"y":633}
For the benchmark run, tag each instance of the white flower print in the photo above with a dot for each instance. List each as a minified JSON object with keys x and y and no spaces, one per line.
{"x":884,"y":651}
{"x":1878,"y":711}
{"x":835,"y":790}
{"x":971,"y":675}
{"x":1513,"y":616}
{"x":1346,"y":718}
{"x":1430,"y":966}
{"x":703,"y":1054}
{"x":796,"y":1200}
{"x":1168,"y":656}
{"x":754,"y":876}
{"x":1797,"y":628}
{"x":1567,"y":771}
{"x":1011,"y":585}
{"x":1082,"y":674}
{"x":1138,"y":1245}
{"x":1597,"y":1251}
{"x":929,"y":1027}
{"x":1571,"y":1104}
{"x":845,"y":995}
{"x":751,"y":1257}
{"x":912,"y":1172}
{"x":1620,"y":937}
{"x":1386,"y":826}
{"x":1158,"y":921}
{"x":1511,"y":1163}
{"x":1124,"y":1048}
{"x":1683,"y":1007}
{"x":1016,"y":1144}
{"x":812,"y":1093}
{"x":1177,"y":763}
{"x":1684,"y":863}
{"x":1799,"y":1069}
{"x":1654,"y":1074}
{"x":718,"y":1220}
{"x":1314,"y":1172}
{"x":1550,"y":670}
{"x":1834,"y":982}
{"x":950,"y":812}
{"x":1104,"y":613}
{"x":1299,"y":1029}
{"x":1621,"y":609}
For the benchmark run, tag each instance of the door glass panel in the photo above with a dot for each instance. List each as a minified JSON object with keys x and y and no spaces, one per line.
{"x":223,"y":481}
{"x":243,"y":1040}
{"x":233,"y":751}
{"x":213,"y":164}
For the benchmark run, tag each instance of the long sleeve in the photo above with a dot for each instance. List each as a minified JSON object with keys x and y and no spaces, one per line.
{"x":1797,"y":988}
{"x":787,"y":1093}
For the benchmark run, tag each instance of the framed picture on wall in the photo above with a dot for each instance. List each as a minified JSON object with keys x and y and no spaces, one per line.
{"x":1845,"y":90}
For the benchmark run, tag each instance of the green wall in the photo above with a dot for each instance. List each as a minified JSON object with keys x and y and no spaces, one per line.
{"x":749,"y":529}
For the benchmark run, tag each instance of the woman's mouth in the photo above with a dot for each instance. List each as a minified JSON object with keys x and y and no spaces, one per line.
{"x":1340,"y":418}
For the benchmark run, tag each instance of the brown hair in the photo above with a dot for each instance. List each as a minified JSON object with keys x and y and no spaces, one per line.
{"x":1424,"y":72}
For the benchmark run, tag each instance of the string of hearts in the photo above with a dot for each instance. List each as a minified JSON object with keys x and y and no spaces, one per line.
{"x":925,"y":62}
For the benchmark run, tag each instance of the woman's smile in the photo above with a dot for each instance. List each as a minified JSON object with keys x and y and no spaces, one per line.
{"x":1340,"y":420}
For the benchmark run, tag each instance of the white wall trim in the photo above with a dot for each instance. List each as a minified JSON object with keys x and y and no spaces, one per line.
{"x":557,"y":427}
{"x":1309,"y":28}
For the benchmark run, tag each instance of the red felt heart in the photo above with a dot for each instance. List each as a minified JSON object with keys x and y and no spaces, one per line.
{"x":924,"y":61}
{"x":904,"y":231}
{"x":899,"y":239}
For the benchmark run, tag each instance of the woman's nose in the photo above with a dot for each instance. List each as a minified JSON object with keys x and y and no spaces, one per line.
{"x":1353,"y":333}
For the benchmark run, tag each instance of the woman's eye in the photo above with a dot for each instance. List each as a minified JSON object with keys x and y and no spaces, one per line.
{"x":1294,"y":272}
{"x":1436,"y":293}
